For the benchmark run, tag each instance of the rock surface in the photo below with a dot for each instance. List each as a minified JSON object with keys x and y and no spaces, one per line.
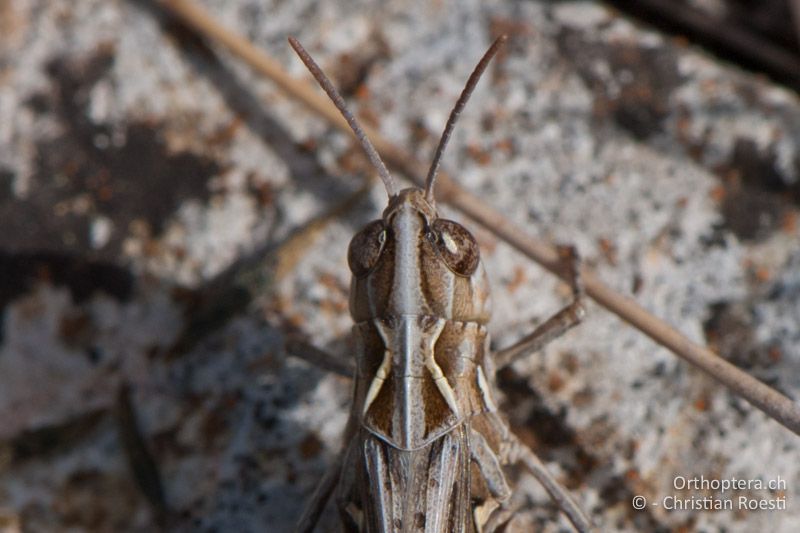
{"x":142,"y":171}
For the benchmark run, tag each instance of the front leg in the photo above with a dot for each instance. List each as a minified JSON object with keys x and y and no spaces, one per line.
{"x":517,"y":451}
{"x":319,"y":499}
{"x":301,"y":349}
{"x":343,"y":462}
{"x":508,"y":449}
{"x":556,"y":325}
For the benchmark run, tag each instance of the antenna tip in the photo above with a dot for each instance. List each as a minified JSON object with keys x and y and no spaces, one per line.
{"x":462,"y":100}
{"x":500,"y":41}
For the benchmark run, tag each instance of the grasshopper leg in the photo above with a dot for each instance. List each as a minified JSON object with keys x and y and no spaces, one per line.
{"x":338,"y":473}
{"x":555,"y":326}
{"x":517,"y":451}
{"x":319,"y":358}
{"x":510,"y":450}
{"x":319,"y":499}
{"x":329,"y":482}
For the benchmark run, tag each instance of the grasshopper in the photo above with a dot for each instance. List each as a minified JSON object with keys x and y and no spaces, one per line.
{"x":425,"y":445}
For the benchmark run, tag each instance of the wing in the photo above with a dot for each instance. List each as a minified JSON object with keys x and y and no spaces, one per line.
{"x":417,"y":491}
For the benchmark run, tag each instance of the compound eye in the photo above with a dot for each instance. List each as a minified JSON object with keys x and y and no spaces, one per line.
{"x":366,"y":248}
{"x":456,"y":246}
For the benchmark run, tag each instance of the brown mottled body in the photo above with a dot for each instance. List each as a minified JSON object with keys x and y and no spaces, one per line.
{"x":424,"y":443}
{"x":420,"y":299}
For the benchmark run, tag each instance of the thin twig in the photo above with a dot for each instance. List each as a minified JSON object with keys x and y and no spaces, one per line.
{"x":726,"y":36}
{"x":794,"y":5}
{"x":773,"y":403}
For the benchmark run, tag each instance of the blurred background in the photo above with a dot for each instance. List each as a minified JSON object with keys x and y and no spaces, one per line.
{"x":168,"y":219}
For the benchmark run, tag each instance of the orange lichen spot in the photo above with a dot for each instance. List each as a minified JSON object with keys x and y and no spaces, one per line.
{"x":632,"y":475}
{"x":332,"y":282}
{"x":789,"y":222}
{"x":701,"y":403}
{"x":709,"y":85}
{"x":505,"y":145}
{"x":479,"y":155}
{"x":554,"y":381}
{"x":680,"y":41}
{"x":609,"y":250}
{"x":683,"y":124}
{"x":333,"y":306}
{"x":762,"y":274}
{"x":362,"y":92}
{"x":353,"y":160}
{"x":151,"y":248}
{"x":367,"y":115}
{"x":718,"y":193}
{"x":582,"y":398}
{"x":264,"y":192}
{"x":105,"y":193}
{"x":224,"y":134}
{"x":74,"y":328}
{"x":518,"y":280}
{"x":308,"y":145}
{"x":570,"y":363}
{"x":295,"y":319}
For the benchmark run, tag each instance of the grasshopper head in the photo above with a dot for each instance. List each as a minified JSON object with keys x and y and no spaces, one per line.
{"x":413,"y":262}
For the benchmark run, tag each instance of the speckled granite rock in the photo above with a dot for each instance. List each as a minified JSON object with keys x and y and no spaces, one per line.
{"x":140,"y":169}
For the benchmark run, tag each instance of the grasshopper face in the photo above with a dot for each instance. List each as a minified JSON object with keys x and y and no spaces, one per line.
{"x":411,"y":262}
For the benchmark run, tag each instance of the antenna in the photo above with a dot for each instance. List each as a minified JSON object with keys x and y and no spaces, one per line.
{"x":336,"y":98}
{"x":451,"y":121}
